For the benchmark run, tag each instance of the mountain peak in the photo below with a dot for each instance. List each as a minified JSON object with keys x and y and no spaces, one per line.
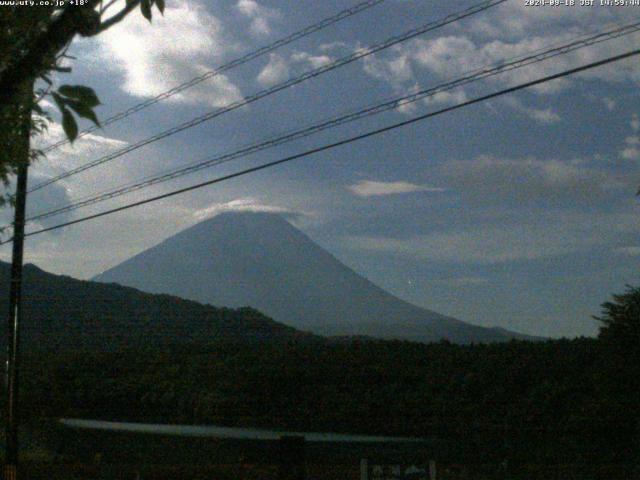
{"x":236,"y":214}
{"x":248,"y":217}
{"x":258,"y":259}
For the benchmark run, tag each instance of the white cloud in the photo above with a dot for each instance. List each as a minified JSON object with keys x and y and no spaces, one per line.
{"x":457,"y":96}
{"x":452,"y":56}
{"x":370,"y":188}
{"x":544,"y":116}
{"x":67,"y":156}
{"x":260,"y":16}
{"x":43,"y":200}
{"x":445,"y":55}
{"x":327,"y":47}
{"x":488,"y":179}
{"x":276,"y":71}
{"x":559,"y":235}
{"x":516,"y":19}
{"x":631,"y":150}
{"x":314,"y":61}
{"x":46,"y":104}
{"x":176,"y":47}
{"x":246,"y":204}
{"x":610,"y":103}
{"x":631,"y":251}
{"x":396,"y":70}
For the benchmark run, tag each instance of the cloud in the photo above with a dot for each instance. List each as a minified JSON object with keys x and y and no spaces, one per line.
{"x":488,"y":180}
{"x":445,"y":55}
{"x":631,"y":251}
{"x":246,"y":204}
{"x":276,"y":71}
{"x":45,"y":199}
{"x":314,"y":61}
{"x":610,"y":103}
{"x":544,"y":116}
{"x":395,"y":70}
{"x":260,"y":16}
{"x":67,"y":156}
{"x":552,"y":236}
{"x":62,"y":159}
{"x":177,"y":47}
{"x":631,"y":151}
{"x":457,"y":96}
{"x":370,"y":188}
{"x":452,"y":56}
{"x":327,"y":47}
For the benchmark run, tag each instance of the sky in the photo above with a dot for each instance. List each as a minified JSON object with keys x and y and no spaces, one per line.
{"x":518,"y":212}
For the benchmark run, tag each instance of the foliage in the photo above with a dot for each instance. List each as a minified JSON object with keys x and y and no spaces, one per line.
{"x":561,"y":403}
{"x":115,"y":353}
{"x":34,"y":42}
{"x":620,"y":319}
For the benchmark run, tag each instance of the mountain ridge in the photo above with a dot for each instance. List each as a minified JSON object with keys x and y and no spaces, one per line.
{"x":62,"y":313}
{"x":260,"y":259}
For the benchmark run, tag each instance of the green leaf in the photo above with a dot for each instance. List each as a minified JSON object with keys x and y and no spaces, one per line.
{"x":83,"y":111}
{"x":160,"y":5}
{"x":59,"y":101}
{"x":145,"y":8}
{"x":61,"y":69}
{"x":69,"y":125}
{"x":38,"y":109}
{"x":84,"y":94}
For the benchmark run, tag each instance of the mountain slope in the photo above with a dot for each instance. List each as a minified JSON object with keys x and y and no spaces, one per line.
{"x":259,"y":259}
{"x":61,"y":312}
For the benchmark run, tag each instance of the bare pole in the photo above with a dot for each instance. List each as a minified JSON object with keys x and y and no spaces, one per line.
{"x":14,"y":319}
{"x":15,"y":295}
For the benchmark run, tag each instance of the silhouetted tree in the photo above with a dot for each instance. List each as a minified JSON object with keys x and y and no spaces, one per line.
{"x":620,"y":319}
{"x":33,"y":45}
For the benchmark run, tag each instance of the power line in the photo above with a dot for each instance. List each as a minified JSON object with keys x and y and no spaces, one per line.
{"x":360,"y":53}
{"x":360,"y":7}
{"x":473,"y":76}
{"x":323,"y":148}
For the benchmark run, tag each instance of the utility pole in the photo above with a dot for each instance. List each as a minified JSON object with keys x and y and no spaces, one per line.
{"x":15,"y":316}
{"x":15,"y":295}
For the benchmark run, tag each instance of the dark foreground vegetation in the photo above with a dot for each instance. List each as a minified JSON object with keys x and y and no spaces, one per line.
{"x":556,"y":409}
{"x":524,"y":407}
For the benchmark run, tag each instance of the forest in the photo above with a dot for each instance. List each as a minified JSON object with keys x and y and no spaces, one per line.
{"x":569,"y":405}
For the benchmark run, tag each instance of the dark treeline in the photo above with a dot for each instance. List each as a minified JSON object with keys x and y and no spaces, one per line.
{"x":511,"y":405}
{"x":108,"y":352}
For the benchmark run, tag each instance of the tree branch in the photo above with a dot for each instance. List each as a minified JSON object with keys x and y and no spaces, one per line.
{"x":107,"y":6}
{"x":61,"y":31}
{"x":117,"y":17}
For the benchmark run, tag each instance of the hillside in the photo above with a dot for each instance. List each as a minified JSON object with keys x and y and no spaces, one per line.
{"x":62,"y":312}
